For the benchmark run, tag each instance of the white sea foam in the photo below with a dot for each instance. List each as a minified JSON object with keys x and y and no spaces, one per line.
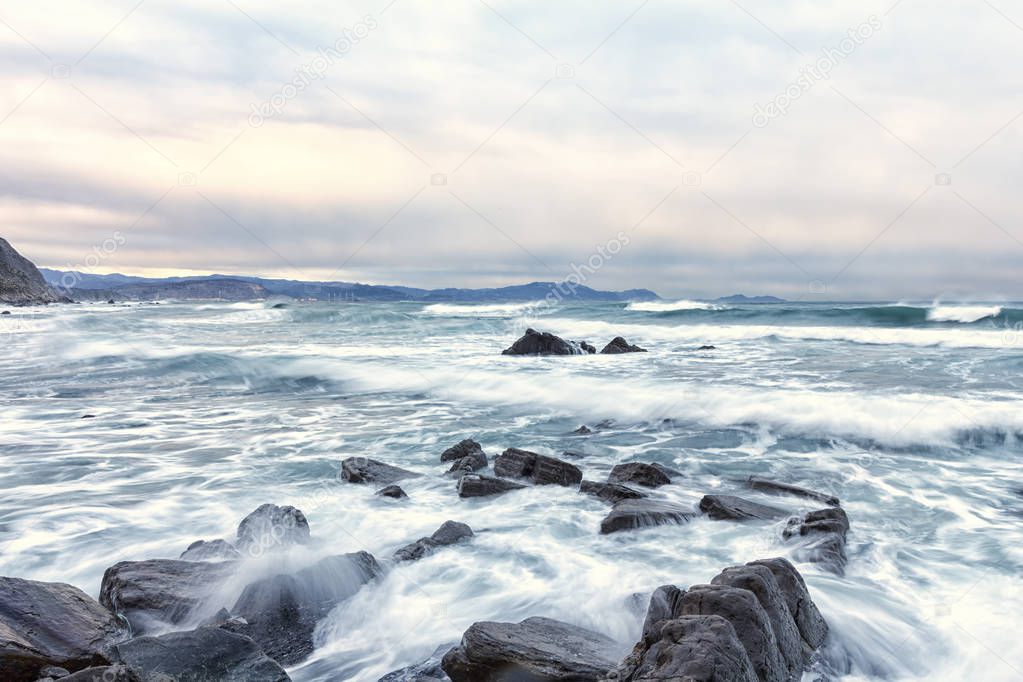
{"x":962,"y":313}
{"x":489,"y":310}
{"x":671,"y":306}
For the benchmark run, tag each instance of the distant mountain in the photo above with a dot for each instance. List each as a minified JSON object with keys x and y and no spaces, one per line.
{"x":739,"y":298}
{"x":20,"y":282}
{"x":209,"y":289}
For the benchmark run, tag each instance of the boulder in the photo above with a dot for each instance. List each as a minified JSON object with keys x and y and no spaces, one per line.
{"x":610,"y":492}
{"x":200,"y":655}
{"x":468,"y":464}
{"x":463,"y":449}
{"x":823,"y":534}
{"x":537,"y":649}
{"x":774,"y":487}
{"x":540,"y":469}
{"x":51,"y":624}
{"x":106,"y":673}
{"x":392,"y":491}
{"x":280,"y":613}
{"x":544,"y":343}
{"x":665,"y":605}
{"x":732,"y":508}
{"x":429,"y":670}
{"x":363,"y":470}
{"x":583,"y":430}
{"x":270,"y":528}
{"x":476,"y":485}
{"x":155,"y":592}
{"x":214,"y":550}
{"x":620,"y":345}
{"x":589,"y":348}
{"x":649,"y":475}
{"x":448,"y":534}
{"x":630,"y":514}
{"x":811,"y":624}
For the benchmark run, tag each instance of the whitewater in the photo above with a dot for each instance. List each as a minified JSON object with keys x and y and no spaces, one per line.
{"x":130,"y":431}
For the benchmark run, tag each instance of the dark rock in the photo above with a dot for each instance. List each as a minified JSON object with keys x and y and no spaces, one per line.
{"x":689,"y":649}
{"x":363,"y":470}
{"x":279,"y":306}
{"x":280,"y":613}
{"x":583,"y":430}
{"x":774,"y":487}
{"x":6,"y":312}
{"x":54,"y":672}
{"x":109,"y":673}
{"x":824,"y":534}
{"x":476,"y":485}
{"x":111,"y":302}
{"x":470,"y":463}
{"x":543,"y":343}
{"x":587,"y":347}
{"x":707,"y":348}
{"x":620,"y":345}
{"x":752,"y":625}
{"x":214,"y":550}
{"x":535,"y":650}
{"x":649,"y":475}
{"x":573,"y":455}
{"x":200,"y":655}
{"x":393,"y":491}
{"x":448,"y":534}
{"x":88,"y":416}
{"x":464,"y":449}
{"x":160,"y":591}
{"x":429,"y":670}
{"x":540,"y":469}
{"x":21,"y":283}
{"x":811,"y":624}
{"x":51,"y":624}
{"x":630,"y":514}
{"x":732,"y":508}
{"x":610,"y":492}
{"x":665,"y":605}
{"x":270,"y":528}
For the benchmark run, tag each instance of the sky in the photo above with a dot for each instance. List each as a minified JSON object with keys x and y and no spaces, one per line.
{"x":811,"y":150}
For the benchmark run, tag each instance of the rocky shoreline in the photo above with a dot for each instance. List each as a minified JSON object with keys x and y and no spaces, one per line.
{"x":168,"y":619}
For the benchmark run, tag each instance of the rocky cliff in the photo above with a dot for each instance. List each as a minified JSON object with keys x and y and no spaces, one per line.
{"x":21,"y":283}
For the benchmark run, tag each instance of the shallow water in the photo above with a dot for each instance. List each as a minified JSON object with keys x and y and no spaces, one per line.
{"x":201,"y":412}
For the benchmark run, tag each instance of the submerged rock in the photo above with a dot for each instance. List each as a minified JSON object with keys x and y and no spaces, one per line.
{"x":620,"y":345}
{"x":545,"y":343}
{"x":583,"y":430}
{"x":540,"y":469}
{"x":649,"y":475}
{"x":203,"y":654}
{"x":732,"y":508}
{"x":824,"y":534}
{"x":214,"y":550}
{"x":448,"y":534}
{"x":537,"y":649}
{"x":429,"y":670}
{"x":707,"y":348}
{"x":51,"y":624}
{"x":476,"y":485}
{"x":630,"y":514}
{"x":270,"y":527}
{"x":610,"y":492}
{"x":392,"y":491}
{"x":363,"y":470}
{"x":777,"y":488}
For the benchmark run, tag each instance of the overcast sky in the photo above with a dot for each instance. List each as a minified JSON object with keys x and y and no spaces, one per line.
{"x":472,"y":143}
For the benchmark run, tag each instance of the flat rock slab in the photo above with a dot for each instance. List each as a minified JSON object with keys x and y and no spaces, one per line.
{"x":631,"y":514}
{"x":649,"y":475}
{"x":535,"y":649}
{"x":776,"y":488}
{"x":732,"y":508}
{"x":477,"y":485}
{"x":610,"y":492}
{"x":198,"y":656}
{"x":363,"y":470}
{"x":539,"y":469}
{"x":51,"y":624}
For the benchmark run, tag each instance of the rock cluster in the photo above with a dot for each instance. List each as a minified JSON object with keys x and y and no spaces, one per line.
{"x":545,"y":343}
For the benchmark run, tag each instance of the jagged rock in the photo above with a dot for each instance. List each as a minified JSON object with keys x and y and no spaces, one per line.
{"x":466,"y":448}
{"x":825,"y":532}
{"x":665,"y":605}
{"x":160,"y":591}
{"x":535,"y":650}
{"x":392,"y":491}
{"x":448,"y":534}
{"x":470,"y":463}
{"x":540,"y":469}
{"x":732,"y":508}
{"x":203,"y":654}
{"x":107,"y":673}
{"x":610,"y":492}
{"x":811,"y":624}
{"x":649,"y":475}
{"x":429,"y":670}
{"x":630,"y":514}
{"x":363,"y":470}
{"x":280,"y":613}
{"x":620,"y":345}
{"x":775,"y":487}
{"x":21,"y":283}
{"x":583,"y":430}
{"x":270,"y":528}
{"x":476,"y":485}
{"x":544,"y":343}
{"x":214,"y":550}
{"x":51,"y":624}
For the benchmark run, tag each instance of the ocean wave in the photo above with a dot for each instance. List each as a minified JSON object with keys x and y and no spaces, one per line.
{"x":671,"y":306}
{"x":964,"y":313}
{"x":483,"y":310}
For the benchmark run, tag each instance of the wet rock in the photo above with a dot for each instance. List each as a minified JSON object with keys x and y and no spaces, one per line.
{"x":823,"y":533}
{"x":214,"y":550}
{"x":270,"y":527}
{"x":107,"y":673}
{"x":587,"y":347}
{"x":543,"y":343}
{"x":537,"y":649}
{"x":448,"y":534}
{"x":280,"y":613}
{"x":665,"y":605}
{"x":470,"y":463}
{"x":689,"y":649}
{"x":51,"y":624}
{"x":6,"y":312}
{"x":732,"y":508}
{"x":466,"y":448}
{"x":707,"y":348}
{"x":649,"y":475}
{"x":610,"y":492}
{"x":811,"y":624}
{"x":777,"y":488}
{"x":631,"y":514}
{"x":394,"y":492}
{"x":54,"y":672}
{"x":429,"y":670}
{"x":540,"y":469}
{"x":583,"y":430}
{"x":476,"y":485}
{"x":203,"y":654}
{"x":155,"y":592}
{"x":363,"y":470}
{"x":620,"y":345}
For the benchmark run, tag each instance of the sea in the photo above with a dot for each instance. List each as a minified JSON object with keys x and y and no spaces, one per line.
{"x":129,"y":431}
